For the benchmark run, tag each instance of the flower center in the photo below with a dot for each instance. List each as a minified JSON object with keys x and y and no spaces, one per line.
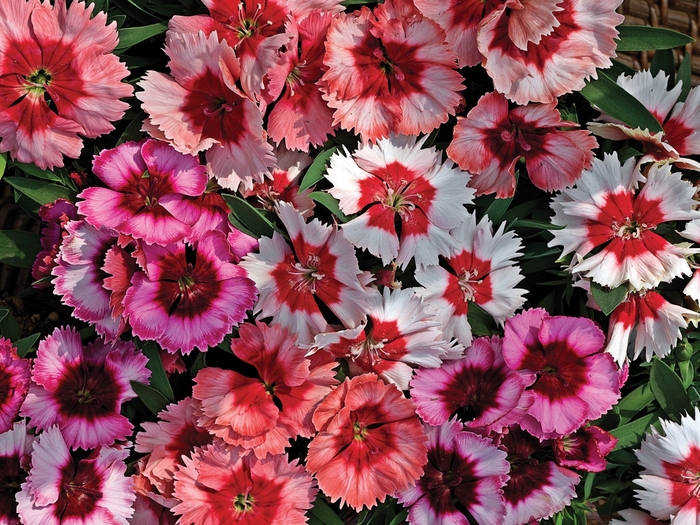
{"x":466,"y":283}
{"x":218,"y":105}
{"x":359,"y":431}
{"x":244,"y":502}
{"x":38,"y":81}
{"x":369,"y":349}
{"x":514,"y":134}
{"x":307,"y":276}
{"x":84,"y":396}
{"x":629,"y":229}
{"x":185,"y":283}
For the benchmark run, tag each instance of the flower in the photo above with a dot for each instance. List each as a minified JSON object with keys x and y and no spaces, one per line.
{"x":220,"y":486}
{"x":397,"y":179}
{"x":61,"y":489}
{"x":370,"y":443}
{"x":59,"y":79}
{"x":82,"y":389}
{"x":462,"y":468}
{"x":14,"y":383}
{"x":585,"y":449}
{"x":55,"y":215}
{"x":636,"y":517}
{"x":492,"y":139}
{"x":670,"y":485}
{"x":15,"y":456}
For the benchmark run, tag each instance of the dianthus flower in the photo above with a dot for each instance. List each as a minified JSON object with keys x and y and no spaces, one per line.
{"x":82,"y":389}
{"x":15,"y":458}
{"x":397,"y":179}
{"x":59,"y":79}
{"x":585,"y":449}
{"x":463,"y":468}
{"x":14,"y":383}
{"x":390,"y":70}
{"x":606,"y":211}
{"x":55,"y":215}
{"x":219,"y":486}
{"x":492,"y":139}
{"x":370,"y":443}
{"x":670,"y":481}
{"x":575,"y":380}
{"x":634,"y":517}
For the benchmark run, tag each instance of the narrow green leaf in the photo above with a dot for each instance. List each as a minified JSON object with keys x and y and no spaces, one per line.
{"x":630,"y":405}
{"x":618,"y":68}
{"x":149,"y":396}
{"x":626,"y":153}
{"x":3,"y":164}
{"x":646,"y":38}
{"x":687,"y":371}
{"x":588,"y":485}
{"x":251,"y":217}
{"x":8,"y":326}
{"x":684,"y":74}
{"x":480,"y":320}
{"x":133,"y":10}
{"x":39,"y":191}
{"x":130,"y":36}
{"x":199,"y":363}
{"x":324,"y":513}
{"x":19,"y":248}
{"x":535,"y":225}
{"x":668,"y":388}
{"x":159,"y":379}
{"x":663,"y":61}
{"x":631,"y":434}
{"x":400,"y":517}
{"x":330,"y":202}
{"x":497,"y":208}
{"x":133,"y":130}
{"x":317,"y":169}
{"x":608,"y":299}
{"x":25,"y":344}
{"x":612,"y":99}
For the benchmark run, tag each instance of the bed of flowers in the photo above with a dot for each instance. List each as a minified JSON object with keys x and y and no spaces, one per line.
{"x":322,"y":262}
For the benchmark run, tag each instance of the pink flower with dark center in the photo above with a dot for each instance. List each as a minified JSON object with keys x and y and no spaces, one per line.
{"x":59,"y":79}
{"x":15,"y":458}
{"x":463,"y":468}
{"x":396,"y":181}
{"x":147,"y":184}
{"x":369,"y":445}
{"x":82,"y":389}
{"x":55,"y":216}
{"x":14,"y":383}
{"x":480,"y":270}
{"x":320,"y":265}
{"x":585,"y":449}
{"x":492,"y":139}
{"x":219,"y":485}
{"x":61,"y":489}
{"x":398,"y":336}
{"x":480,"y":388}
{"x":605,"y":211}
{"x":575,"y":380}
{"x":263,"y":413}
{"x":390,"y":70}
{"x":188,"y":295}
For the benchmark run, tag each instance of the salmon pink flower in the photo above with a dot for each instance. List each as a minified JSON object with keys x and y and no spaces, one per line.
{"x":14,"y":383}
{"x":59,"y":79}
{"x":397,"y":179}
{"x":575,"y":380}
{"x":82,"y":389}
{"x":492,"y":139}
{"x":370,"y":443}
{"x":61,"y":489}
{"x":220,"y":486}
{"x":390,"y":70}
{"x":15,"y":458}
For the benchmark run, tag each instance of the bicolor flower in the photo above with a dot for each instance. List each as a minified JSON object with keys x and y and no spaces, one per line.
{"x":14,"y":383}
{"x":15,"y":460}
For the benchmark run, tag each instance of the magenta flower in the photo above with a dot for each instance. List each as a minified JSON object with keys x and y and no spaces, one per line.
{"x":14,"y":383}
{"x":55,"y":215}
{"x":15,"y":458}
{"x":82,"y":389}
{"x":188,"y":295}
{"x":575,"y":380}
{"x":585,"y":449}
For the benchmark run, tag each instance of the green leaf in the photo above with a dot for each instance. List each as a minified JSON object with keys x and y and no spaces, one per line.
{"x":630,"y":405}
{"x":330,"y":202}
{"x":39,"y":191}
{"x":588,"y":485}
{"x":3,"y":164}
{"x":612,"y":99}
{"x":149,"y":396}
{"x":646,"y":38}
{"x":199,"y":363}
{"x":250,"y":217}
{"x":608,"y":299}
{"x":684,"y":74}
{"x":497,"y":208}
{"x":663,"y":61}
{"x":627,"y":152}
{"x":324,"y":513}
{"x":399,"y":518}
{"x":687,"y":371}
{"x":19,"y":248}
{"x":8,"y":326}
{"x":130,"y":36}
{"x":159,"y":379}
{"x":480,"y":320}
{"x":631,"y":434}
{"x":317,"y":169}
{"x":25,"y":345}
{"x":133,"y":130}
{"x":668,"y":388}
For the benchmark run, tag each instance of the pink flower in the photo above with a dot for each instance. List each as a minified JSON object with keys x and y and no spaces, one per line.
{"x":370,"y":443}
{"x":671,"y":460}
{"x":62,"y":490}
{"x":575,"y":380}
{"x":55,"y":215}
{"x":635,"y":517}
{"x":585,"y":449}
{"x":220,"y":486}
{"x":147,"y":184}
{"x":390,"y":70}
{"x":263,"y":413}
{"x":492,"y":139}
{"x":397,"y":179}
{"x":15,"y":456}
{"x":82,"y":389}
{"x":14,"y":383}
{"x":462,"y":467}
{"x":59,"y":79}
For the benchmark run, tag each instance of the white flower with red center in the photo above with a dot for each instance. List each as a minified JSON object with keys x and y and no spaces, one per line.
{"x":396,"y":179}
{"x":656,"y":323}
{"x":390,"y":70}
{"x":532,"y":62}
{"x":670,"y":481}
{"x":61,"y":489}
{"x":320,"y":265}
{"x":481,"y":270}
{"x":398,"y":335}
{"x":606,"y":211}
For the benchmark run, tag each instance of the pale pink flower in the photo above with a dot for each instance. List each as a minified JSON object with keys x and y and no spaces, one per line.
{"x":59,"y":79}
{"x":15,"y":457}
{"x":390,"y":70}
{"x":62,"y":490}
{"x":14,"y":383}
{"x":635,"y":517}
{"x":82,"y":389}
{"x":397,"y":179}
{"x":492,"y":139}
{"x":219,"y":486}
{"x":606,"y":211}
